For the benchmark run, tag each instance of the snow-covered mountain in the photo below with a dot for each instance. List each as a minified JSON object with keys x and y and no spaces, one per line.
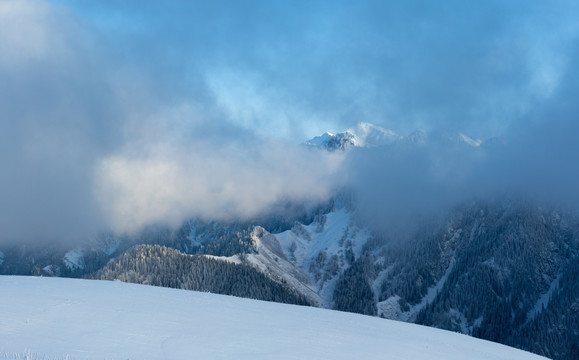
{"x":369,"y":135}
{"x":499,"y":270}
{"x":312,"y":256}
{"x":361,"y":135}
{"x":494,"y":270}
{"x":503,"y":271}
{"x":83,"y":319}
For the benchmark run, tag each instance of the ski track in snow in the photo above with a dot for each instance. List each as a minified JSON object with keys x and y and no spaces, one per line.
{"x":87,"y":319}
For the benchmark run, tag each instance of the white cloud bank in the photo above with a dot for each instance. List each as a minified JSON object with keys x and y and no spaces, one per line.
{"x":168,"y":184}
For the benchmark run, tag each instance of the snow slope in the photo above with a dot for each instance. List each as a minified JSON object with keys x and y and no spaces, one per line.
{"x":361,"y":135}
{"x":82,"y":319}
{"x":370,"y":135}
{"x":321,"y":140}
{"x":74,"y":259}
{"x":310,"y":258}
{"x":320,"y":248}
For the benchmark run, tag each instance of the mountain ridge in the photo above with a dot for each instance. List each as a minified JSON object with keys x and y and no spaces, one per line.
{"x":365,"y":134}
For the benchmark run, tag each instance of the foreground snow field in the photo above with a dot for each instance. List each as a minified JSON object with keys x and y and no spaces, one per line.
{"x":58,"y":318}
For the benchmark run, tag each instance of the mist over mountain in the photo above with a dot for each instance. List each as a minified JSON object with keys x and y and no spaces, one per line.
{"x":128,"y":116}
{"x":367,"y":135}
{"x":438,"y":185}
{"x":498,"y":267}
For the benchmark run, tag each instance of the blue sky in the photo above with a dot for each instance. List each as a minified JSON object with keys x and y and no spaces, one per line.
{"x":298,"y":68}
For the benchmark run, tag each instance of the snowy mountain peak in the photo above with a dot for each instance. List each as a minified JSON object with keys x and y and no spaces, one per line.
{"x":365,"y":134}
{"x":320,"y":140}
{"x":453,"y":137}
{"x":360,"y":135}
{"x":370,"y":135}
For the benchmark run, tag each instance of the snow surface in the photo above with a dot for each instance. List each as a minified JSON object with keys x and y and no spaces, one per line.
{"x":230,"y":259}
{"x":320,"y":140}
{"x":89,"y":319}
{"x":330,"y":234}
{"x":74,"y":259}
{"x":311,"y":239}
{"x":362,"y":135}
{"x":270,"y":260}
{"x":370,"y":135}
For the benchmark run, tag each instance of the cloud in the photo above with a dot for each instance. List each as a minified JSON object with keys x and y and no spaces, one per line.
{"x":53,"y":112}
{"x":90,"y":141}
{"x":127,"y":114}
{"x":401,"y":187}
{"x":168,"y":179}
{"x":305,"y":66}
